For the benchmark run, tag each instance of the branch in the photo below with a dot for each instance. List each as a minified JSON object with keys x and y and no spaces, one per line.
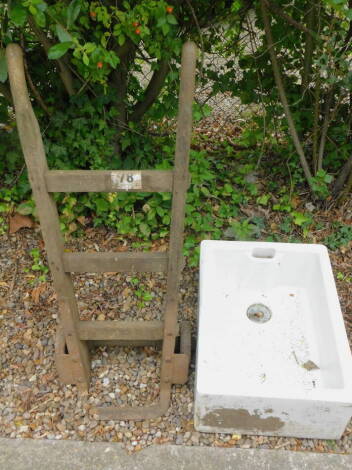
{"x":128,"y":48}
{"x":152,"y":91}
{"x":119,"y":82}
{"x":5,"y":91}
{"x":65,"y":73}
{"x":316,"y":124}
{"x":348,"y":188}
{"x":324,"y":131}
{"x":348,"y":36}
{"x":288,"y":18}
{"x":34,"y":89}
{"x":309,"y":46}
{"x":282,"y":93}
{"x":343,"y":175}
{"x":200,"y":38}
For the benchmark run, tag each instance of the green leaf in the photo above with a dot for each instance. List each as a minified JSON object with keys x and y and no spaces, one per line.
{"x":57,"y":51}
{"x":39,"y":17}
{"x":63,"y":34}
{"x":73,"y":11}
{"x":263,"y":199}
{"x":144,"y":229}
{"x":42,"y":6}
{"x":3,"y":66}
{"x":171,"y":19}
{"x":299,"y":218}
{"x":26,"y":208}
{"x":165,"y":29}
{"x":236,"y":6}
{"x":102,"y":205}
{"x":18,"y":14}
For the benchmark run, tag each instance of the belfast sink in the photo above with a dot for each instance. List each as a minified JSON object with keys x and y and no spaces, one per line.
{"x":273,"y":356}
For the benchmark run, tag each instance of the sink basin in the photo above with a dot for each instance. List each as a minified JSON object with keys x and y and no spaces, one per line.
{"x":273,"y":356}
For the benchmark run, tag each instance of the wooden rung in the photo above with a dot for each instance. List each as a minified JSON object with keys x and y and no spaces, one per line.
{"x":65,"y":181}
{"x":100,"y":262}
{"x":116,"y":330}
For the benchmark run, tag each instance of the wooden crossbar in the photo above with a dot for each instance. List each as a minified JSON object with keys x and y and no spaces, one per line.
{"x":118,"y":330}
{"x":74,"y":336}
{"x":65,"y":181}
{"x":99,"y":262}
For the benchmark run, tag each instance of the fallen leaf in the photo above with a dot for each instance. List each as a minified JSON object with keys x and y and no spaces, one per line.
{"x":19,"y":221}
{"x":82,"y":220}
{"x":310,"y":365}
{"x":36,"y":292}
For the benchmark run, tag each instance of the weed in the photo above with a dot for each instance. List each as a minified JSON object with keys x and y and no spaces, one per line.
{"x":341,"y":236}
{"x":38,"y":266}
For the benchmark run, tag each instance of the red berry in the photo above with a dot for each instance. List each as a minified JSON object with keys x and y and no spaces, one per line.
{"x":135,"y":24}
{"x":138,"y":31}
{"x":100,"y":65}
{"x":169,"y":10}
{"x":92,"y":14}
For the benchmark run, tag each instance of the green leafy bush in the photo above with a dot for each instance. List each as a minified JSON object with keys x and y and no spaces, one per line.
{"x":341,"y":236}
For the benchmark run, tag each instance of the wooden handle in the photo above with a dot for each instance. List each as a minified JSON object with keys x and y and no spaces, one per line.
{"x":187,"y":85}
{"x":15,"y":65}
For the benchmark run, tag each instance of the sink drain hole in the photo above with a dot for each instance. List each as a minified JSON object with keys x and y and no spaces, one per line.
{"x":258,"y":313}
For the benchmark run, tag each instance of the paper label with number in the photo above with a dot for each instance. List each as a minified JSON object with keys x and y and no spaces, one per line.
{"x":126,"y":180}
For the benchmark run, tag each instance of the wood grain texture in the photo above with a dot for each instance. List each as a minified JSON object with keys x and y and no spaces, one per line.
{"x":34,"y":154}
{"x":121,"y":330}
{"x":101,"y":181}
{"x":183,"y":143}
{"x":100,"y":262}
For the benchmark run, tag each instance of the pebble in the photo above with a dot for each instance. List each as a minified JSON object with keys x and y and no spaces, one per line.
{"x":33,"y":402}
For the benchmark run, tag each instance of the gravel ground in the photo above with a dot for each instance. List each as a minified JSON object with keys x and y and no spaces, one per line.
{"x":34,"y":404}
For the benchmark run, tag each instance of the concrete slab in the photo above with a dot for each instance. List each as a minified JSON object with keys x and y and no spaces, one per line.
{"x":29,"y":454}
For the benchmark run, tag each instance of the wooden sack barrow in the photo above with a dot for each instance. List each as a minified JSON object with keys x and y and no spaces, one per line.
{"x":75,"y":336}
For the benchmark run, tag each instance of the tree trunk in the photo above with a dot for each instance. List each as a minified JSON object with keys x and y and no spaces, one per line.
{"x":346,"y":191}
{"x":64,"y":70}
{"x":119,"y":83}
{"x":309,"y":46}
{"x":152,"y":91}
{"x":343,"y":175}
{"x":282,"y":94}
{"x":315,"y":137}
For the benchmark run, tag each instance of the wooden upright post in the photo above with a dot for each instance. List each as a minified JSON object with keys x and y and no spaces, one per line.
{"x":34,"y":154}
{"x":179,"y":193}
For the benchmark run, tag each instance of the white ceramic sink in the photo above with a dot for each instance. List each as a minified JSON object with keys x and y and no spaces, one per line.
{"x":273,"y":356}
